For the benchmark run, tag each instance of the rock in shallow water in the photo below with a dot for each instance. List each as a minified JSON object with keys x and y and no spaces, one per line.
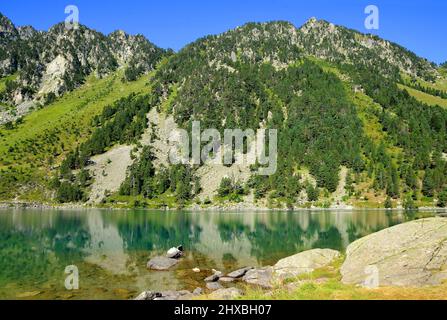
{"x":239,"y":273}
{"x":161,"y":263}
{"x":174,"y":253}
{"x":213,"y":277}
{"x":409,"y":254}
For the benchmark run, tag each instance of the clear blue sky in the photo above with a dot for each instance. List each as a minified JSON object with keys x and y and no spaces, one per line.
{"x":419,"y":25}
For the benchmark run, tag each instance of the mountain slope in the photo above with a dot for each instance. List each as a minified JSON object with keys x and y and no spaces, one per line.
{"x":333,"y":94}
{"x":51,"y":63}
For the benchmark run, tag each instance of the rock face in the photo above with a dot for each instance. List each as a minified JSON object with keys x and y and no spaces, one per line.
{"x":410,"y":254}
{"x":304,"y":262}
{"x":161,"y":263}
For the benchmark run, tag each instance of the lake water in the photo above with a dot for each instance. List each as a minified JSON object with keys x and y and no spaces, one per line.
{"x":111,"y":248}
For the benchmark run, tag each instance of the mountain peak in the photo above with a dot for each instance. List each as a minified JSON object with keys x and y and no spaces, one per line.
{"x":7,"y":28}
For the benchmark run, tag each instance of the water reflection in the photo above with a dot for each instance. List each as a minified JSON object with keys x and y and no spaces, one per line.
{"x":112,"y":247}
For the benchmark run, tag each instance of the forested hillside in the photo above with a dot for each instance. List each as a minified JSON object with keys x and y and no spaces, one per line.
{"x":352,"y":128}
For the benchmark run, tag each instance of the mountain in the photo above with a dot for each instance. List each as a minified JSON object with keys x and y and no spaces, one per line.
{"x":51,"y":63}
{"x":361,"y":121}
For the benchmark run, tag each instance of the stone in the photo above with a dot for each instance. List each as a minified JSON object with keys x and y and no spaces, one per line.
{"x":227,"y":279}
{"x":412,"y":254}
{"x":214,"y":277}
{"x":259,"y":277}
{"x":225,"y":294}
{"x":196,"y":270}
{"x":304,"y":262}
{"x":165,"y":295}
{"x":148,"y":295}
{"x":197,"y":291}
{"x":213,"y":286}
{"x":174,"y":253}
{"x":239,"y":273}
{"x":161,"y":263}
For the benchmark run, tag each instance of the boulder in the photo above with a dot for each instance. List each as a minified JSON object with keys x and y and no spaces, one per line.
{"x":161,"y":263}
{"x":197,"y":291}
{"x":213,"y":286}
{"x":411,"y":254}
{"x":304,"y":262}
{"x":214,"y":277}
{"x":239,"y":273}
{"x":259,"y":277}
{"x":148,"y":295}
{"x":174,"y":253}
{"x":166,"y":295}
{"x":227,"y":279}
{"x":225,"y":294}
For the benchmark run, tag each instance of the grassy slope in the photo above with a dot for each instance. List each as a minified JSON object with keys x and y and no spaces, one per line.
{"x":3,"y":81}
{"x":425,"y":97}
{"x":3,"y":85}
{"x":29,"y":151}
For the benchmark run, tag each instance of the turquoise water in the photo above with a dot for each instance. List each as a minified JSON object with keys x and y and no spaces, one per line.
{"x":111,"y":248}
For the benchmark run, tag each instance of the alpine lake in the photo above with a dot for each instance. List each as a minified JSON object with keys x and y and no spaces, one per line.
{"x":111,"y":248}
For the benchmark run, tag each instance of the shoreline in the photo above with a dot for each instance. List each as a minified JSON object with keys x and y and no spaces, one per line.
{"x":45,"y":206}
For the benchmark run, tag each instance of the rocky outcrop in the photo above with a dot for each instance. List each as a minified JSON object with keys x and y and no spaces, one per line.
{"x":304,"y":262}
{"x":60,"y":59}
{"x":410,"y":254}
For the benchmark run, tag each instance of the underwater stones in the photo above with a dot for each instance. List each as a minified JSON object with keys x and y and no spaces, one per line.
{"x":161,"y":263}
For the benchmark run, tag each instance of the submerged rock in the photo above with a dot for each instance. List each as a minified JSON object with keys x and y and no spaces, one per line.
{"x":161,"y":263}
{"x":304,"y":262}
{"x":410,"y":254}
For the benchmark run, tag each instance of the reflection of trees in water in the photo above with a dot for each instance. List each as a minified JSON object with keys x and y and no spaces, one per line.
{"x":232,"y":230}
{"x":32,"y":249}
{"x":146,"y":232}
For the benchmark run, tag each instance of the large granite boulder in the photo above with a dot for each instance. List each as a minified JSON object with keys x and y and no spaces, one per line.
{"x":410,"y":254}
{"x":304,"y":262}
{"x":161,"y":263}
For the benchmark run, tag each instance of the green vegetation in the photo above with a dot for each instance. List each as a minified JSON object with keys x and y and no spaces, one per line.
{"x":325,"y":284}
{"x":427,"y":98}
{"x":32,"y":150}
